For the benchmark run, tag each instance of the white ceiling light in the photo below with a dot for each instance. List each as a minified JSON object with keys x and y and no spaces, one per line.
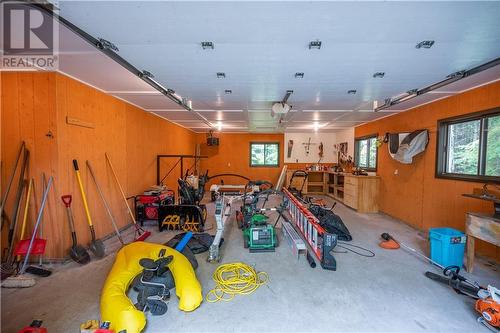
{"x":316,"y":126}
{"x":219,"y":126}
{"x":207,"y":45}
{"x":315,"y":44}
{"x":425,"y":44}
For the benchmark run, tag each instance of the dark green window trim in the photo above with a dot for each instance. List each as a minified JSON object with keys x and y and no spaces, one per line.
{"x":356,"y":151}
{"x":443,"y":126}
{"x":263,"y":165}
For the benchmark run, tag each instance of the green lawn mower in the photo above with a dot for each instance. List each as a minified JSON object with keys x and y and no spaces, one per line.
{"x":258,"y":234}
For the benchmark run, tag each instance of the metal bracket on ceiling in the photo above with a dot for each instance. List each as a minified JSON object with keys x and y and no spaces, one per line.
{"x":106,"y":44}
{"x":148,"y":74}
{"x":456,"y":76}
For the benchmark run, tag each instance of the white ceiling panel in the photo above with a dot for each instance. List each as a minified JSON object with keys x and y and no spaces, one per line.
{"x":148,"y":101}
{"x":225,"y":116}
{"x":344,"y":124}
{"x":178,"y":115}
{"x":360,"y":116}
{"x":317,"y":116}
{"x":260,"y":49}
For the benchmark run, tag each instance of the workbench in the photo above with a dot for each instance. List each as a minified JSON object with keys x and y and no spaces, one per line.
{"x":357,"y":192}
{"x":483,"y":227}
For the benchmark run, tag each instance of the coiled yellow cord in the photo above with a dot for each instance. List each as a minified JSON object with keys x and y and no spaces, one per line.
{"x":235,"y":279}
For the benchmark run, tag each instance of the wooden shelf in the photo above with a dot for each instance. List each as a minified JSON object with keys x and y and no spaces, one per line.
{"x":315,"y":183}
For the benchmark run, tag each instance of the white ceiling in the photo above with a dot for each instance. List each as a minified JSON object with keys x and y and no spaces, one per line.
{"x":261,"y":45}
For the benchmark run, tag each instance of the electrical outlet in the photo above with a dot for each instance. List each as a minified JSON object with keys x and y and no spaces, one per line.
{"x":396,"y":172}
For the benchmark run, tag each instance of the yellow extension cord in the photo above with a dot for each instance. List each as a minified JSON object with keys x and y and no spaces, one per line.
{"x":235,"y":279}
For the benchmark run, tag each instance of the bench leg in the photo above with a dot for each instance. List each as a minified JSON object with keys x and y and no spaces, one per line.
{"x":470,"y":253}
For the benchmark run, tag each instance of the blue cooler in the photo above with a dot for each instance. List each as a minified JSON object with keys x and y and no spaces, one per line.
{"x":447,"y":246}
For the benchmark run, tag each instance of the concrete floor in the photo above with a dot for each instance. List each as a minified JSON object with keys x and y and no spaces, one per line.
{"x":387,"y":293}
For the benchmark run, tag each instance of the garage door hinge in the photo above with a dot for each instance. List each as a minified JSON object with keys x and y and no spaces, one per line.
{"x":106,"y":44}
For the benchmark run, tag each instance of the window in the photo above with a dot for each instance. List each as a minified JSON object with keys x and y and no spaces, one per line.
{"x":264,"y":154}
{"x":468,"y":147}
{"x":365,"y":153}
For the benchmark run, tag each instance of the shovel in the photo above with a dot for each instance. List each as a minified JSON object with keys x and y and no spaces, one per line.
{"x":77,"y":252}
{"x":96,"y":245}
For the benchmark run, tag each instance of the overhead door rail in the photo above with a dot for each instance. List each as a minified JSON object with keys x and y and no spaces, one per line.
{"x":109,"y":49}
{"x":449,"y":79}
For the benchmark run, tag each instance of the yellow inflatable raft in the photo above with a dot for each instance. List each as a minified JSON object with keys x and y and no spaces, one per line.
{"x":117,"y":308}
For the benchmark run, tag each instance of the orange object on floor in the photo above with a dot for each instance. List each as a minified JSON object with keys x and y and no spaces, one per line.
{"x":490,"y":310}
{"x":390,"y":244}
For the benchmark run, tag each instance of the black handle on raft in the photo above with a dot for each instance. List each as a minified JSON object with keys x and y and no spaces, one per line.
{"x":75,"y":164}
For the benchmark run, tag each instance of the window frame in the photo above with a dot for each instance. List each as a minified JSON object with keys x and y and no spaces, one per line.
{"x":442,"y":139}
{"x":356,"y":152}
{"x":263,"y":165}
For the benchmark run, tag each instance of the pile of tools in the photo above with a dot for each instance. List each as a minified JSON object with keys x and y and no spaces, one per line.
{"x":20,"y":248}
{"x":14,"y":267}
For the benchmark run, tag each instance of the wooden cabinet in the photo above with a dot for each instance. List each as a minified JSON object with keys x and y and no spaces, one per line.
{"x":357,"y":192}
{"x":361,"y":193}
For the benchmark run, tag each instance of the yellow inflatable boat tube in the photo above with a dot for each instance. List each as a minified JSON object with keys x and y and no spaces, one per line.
{"x":118,"y":309}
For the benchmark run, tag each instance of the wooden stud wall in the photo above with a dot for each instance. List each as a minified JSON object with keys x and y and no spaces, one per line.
{"x":415,"y":195}
{"x":34,"y":103}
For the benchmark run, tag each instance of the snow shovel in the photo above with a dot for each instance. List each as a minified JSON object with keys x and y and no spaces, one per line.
{"x":38,"y":246}
{"x":77,"y":252}
{"x":96,"y":245}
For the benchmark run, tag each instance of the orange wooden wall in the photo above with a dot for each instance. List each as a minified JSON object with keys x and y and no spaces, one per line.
{"x":233,"y":156}
{"x":35,"y":103}
{"x":415,"y":195}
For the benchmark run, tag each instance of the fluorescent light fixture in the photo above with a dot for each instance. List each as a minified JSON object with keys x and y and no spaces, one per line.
{"x":207,"y":45}
{"x":299,"y":75}
{"x":316,"y":126}
{"x":379,"y":75}
{"x":425,"y":44}
{"x":221,"y":75}
{"x":315,"y":44}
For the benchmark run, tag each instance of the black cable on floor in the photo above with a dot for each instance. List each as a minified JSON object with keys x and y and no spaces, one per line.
{"x":348,"y":248}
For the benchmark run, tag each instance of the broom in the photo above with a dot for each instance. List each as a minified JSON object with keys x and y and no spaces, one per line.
{"x":20,"y":280}
{"x":140,"y":234}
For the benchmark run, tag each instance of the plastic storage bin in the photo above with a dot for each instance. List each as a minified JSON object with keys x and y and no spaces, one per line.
{"x":447,"y":246}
